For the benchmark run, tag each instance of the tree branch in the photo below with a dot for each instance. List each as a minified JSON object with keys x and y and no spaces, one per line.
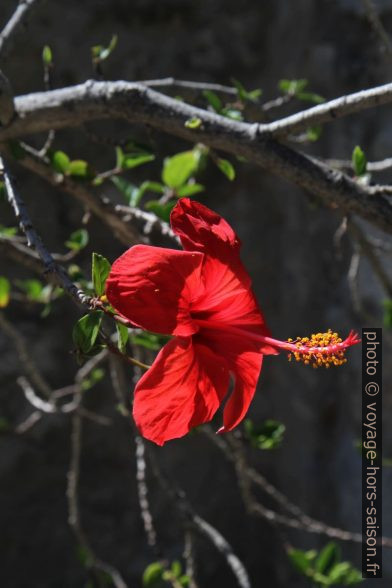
{"x":329,"y":111}
{"x":73,"y":106}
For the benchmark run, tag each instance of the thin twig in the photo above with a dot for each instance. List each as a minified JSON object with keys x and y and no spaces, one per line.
{"x":17,"y":20}
{"x":27,"y":362}
{"x":367,"y":250}
{"x":201,"y":525}
{"x":375,"y":21}
{"x":57,"y":272}
{"x":93,"y":563}
{"x":142,"y":489}
{"x":299,"y":520}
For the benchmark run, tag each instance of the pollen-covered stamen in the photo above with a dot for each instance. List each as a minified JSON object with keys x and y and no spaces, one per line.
{"x":321,"y":349}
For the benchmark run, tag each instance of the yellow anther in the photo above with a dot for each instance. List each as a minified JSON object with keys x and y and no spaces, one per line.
{"x":320,"y":349}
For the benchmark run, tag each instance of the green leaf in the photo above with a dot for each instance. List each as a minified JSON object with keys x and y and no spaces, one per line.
{"x":176,"y":568}
{"x":152,"y":574}
{"x":179,"y":168}
{"x":292,"y":86}
{"x":77,"y":240}
{"x":100,"y":271}
{"x":131,"y":160}
{"x":149,"y":340}
{"x":245,"y":95}
{"x":100,"y":52}
{"x":128,"y":190}
{"x":189,"y":190}
{"x":60,"y":161}
{"x":161,"y":210}
{"x":123,"y":336}
{"x":86,"y":330}
{"x":310,"y":97}
{"x":359,"y":161}
{"x":47,"y":57}
{"x":232,"y":113}
{"x":314,"y":133}
{"x":353,"y":577}
{"x":193,"y":123}
{"x":266,"y":435}
{"x":3,"y":191}
{"x":214,"y":100}
{"x":302,"y":560}
{"x":80,"y":169}
{"x":339,"y":572}
{"x":388,"y":313}
{"x":5,"y":288}
{"x":94,"y":377}
{"x":226,"y":168}
{"x":8,"y":231}
{"x":327,"y":557}
{"x":34,"y":289}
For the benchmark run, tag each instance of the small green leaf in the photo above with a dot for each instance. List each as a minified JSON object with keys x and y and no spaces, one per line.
{"x":310,"y":97}
{"x":128,"y":190}
{"x":388,"y":313}
{"x":80,"y":169}
{"x":5,"y":288}
{"x":245,"y":95}
{"x":314,"y":133}
{"x":100,"y":52}
{"x":131,"y":160}
{"x":8,"y":231}
{"x":161,"y":210}
{"x":301,"y":560}
{"x":34,"y":289}
{"x":77,"y":240}
{"x":266,"y":435}
{"x":152,"y":574}
{"x":292,"y":87}
{"x":95,"y":376}
{"x":214,"y":100}
{"x":86,"y":330}
{"x":149,"y":340}
{"x":359,"y":161}
{"x":193,"y":123}
{"x":3,"y":191}
{"x":189,"y":190}
{"x":119,"y":157}
{"x":327,"y":557}
{"x":123,"y":336}
{"x":179,"y":168}
{"x":232,"y":113}
{"x":84,"y":555}
{"x":226,"y":168}
{"x":60,"y":161}
{"x":176,"y":568}
{"x":100,"y":271}
{"x":47,"y":57}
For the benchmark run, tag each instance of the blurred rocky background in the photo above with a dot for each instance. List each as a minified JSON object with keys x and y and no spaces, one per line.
{"x":300,"y":278}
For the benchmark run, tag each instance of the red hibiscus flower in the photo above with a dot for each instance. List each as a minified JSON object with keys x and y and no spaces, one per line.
{"x":203,"y":297}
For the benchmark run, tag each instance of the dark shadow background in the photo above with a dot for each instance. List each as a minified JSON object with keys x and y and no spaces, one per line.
{"x":299,"y":278}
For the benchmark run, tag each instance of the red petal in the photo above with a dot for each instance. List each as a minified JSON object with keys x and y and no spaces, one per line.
{"x":182,"y":389}
{"x":153,"y":287}
{"x":244,"y":360}
{"x":202,"y":229}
